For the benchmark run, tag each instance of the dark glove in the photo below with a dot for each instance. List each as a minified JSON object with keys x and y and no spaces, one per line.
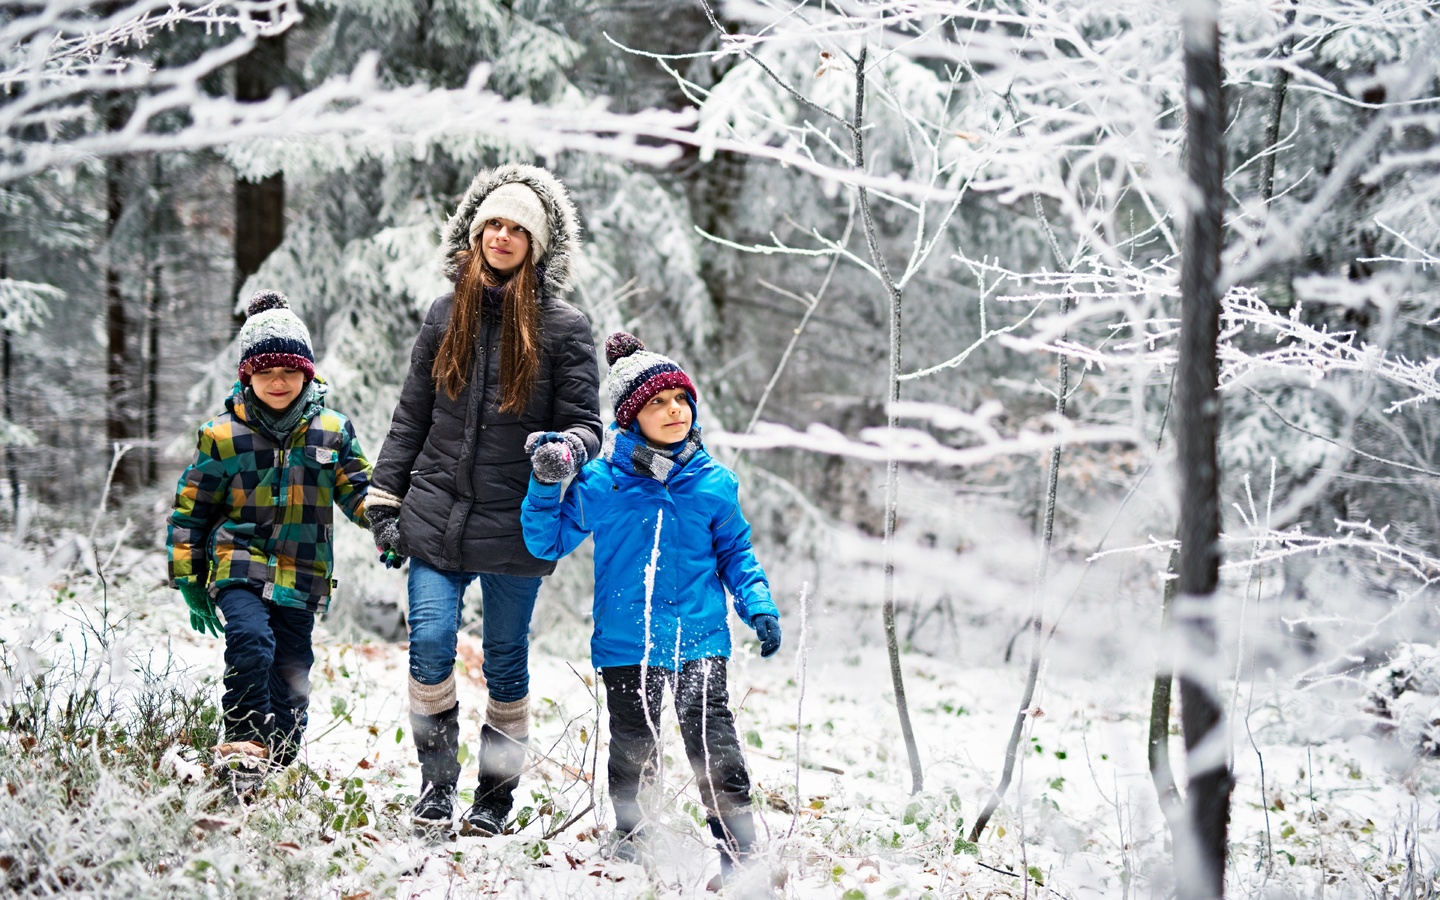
{"x":767,"y":629}
{"x":555,"y":455}
{"x":203,"y":617}
{"x":385,"y":529}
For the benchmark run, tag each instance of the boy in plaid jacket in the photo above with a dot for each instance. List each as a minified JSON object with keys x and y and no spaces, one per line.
{"x":251,"y":529}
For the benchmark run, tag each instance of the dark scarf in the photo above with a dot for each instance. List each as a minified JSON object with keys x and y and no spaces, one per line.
{"x":632,"y":453}
{"x":278,"y":425}
{"x":492,"y":298}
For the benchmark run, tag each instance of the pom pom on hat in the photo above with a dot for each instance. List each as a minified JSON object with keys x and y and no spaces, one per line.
{"x":636,"y":375}
{"x":263,"y":300}
{"x":274,"y":337}
{"x":621,"y":343}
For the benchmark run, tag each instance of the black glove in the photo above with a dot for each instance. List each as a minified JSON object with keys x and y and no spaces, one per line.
{"x":767,"y":629}
{"x":385,"y":529}
{"x":555,"y":455}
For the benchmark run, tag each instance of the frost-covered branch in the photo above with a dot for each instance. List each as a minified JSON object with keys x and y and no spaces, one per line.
{"x":1364,"y":537}
{"x":24,"y":303}
{"x":911,"y":445}
{"x":1315,"y":353}
{"x":67,"y":56}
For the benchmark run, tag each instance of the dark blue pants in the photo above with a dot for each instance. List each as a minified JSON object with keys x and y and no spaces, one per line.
{"x":267,"y":671}
{"x":436,"y":598}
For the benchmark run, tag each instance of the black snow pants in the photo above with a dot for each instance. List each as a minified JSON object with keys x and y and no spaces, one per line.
{"x":634,"y":695}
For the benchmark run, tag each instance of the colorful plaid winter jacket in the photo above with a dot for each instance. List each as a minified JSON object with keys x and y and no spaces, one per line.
{"x":250,"y":512}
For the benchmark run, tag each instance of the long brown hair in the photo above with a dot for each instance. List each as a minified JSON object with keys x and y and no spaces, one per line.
{"x":519,"y":330}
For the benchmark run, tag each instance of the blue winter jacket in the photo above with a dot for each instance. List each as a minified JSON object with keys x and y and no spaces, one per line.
{"x":690,"y":530}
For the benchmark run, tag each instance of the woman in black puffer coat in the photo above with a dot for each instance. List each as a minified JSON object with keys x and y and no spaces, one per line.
{"x":500,"y":359}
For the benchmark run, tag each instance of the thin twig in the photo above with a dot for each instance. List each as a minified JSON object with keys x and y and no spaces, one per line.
{"x":770,"y":73}
{"x":801,"y":656}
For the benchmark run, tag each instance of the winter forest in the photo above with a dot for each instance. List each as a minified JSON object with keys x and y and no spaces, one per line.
{"x":1075,"y":358}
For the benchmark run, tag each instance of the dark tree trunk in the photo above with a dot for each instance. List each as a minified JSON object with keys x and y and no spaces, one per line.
{"x":1200,"y":853}
{"x":259,"y":205}
{"x":120,"y":368}
{"x":160,"y":227}
{"x":7,"y":378}
{"x":1277,"y":108}
{"x":1158,"y":748}
{"x":152,"y":372}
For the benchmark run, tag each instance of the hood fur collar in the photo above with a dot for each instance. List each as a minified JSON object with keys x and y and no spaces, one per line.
{"x":555,"y":265}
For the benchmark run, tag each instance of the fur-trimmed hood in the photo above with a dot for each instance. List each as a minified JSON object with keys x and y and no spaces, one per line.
{"x":564,"y":248}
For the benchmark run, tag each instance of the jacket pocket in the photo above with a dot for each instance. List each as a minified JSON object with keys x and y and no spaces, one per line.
{"x":322,"y":457}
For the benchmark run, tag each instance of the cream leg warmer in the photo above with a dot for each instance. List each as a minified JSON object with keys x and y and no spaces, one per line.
{"x":432,"y":699}
{"x":511,"y":719}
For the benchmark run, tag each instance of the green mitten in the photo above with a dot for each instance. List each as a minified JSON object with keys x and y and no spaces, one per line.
{"x":203,"y":617}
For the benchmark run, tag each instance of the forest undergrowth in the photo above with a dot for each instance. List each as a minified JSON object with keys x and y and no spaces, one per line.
{"x":110,"y":711}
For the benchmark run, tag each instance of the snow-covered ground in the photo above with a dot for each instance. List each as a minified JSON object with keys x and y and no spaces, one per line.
{"x":1326,"y":804}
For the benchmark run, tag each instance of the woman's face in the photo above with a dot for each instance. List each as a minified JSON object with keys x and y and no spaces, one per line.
{"x":665,"y":419}
{"x":505,"y":244}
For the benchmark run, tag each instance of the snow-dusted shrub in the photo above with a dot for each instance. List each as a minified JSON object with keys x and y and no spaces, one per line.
{"x":1404,"y":697}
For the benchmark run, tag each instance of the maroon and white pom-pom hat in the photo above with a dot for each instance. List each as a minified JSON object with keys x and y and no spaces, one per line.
{"x":637,"y":374}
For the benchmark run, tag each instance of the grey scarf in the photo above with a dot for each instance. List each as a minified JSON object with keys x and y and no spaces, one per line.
{"x":279,"y":425}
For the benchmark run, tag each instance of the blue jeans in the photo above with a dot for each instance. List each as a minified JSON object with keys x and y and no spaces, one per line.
{"x":267,"y":671}
{"x":436,"y":599}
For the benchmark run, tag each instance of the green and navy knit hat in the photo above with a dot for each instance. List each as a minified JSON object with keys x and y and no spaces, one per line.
{"x":636,"y":375}
{"x":273,"y":336}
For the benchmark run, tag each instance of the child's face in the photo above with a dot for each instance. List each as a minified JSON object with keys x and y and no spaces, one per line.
{"x":505,"y":245}
{"x":277,"y":388}
{"x":665,"y":419}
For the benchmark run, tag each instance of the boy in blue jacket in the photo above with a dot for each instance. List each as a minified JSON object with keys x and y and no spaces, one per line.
{"x":669,"y":541}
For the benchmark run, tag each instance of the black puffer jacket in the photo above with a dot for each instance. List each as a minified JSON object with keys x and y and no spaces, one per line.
{"x":459,"y":466}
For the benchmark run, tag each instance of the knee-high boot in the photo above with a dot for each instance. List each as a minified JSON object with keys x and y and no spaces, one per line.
{"x":504,"y":744}
{"x":437,"y":744}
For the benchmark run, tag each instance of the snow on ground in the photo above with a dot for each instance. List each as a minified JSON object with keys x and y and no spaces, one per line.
{"x":1325,"y":805}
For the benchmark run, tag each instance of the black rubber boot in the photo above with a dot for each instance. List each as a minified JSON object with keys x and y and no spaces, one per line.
{"x":736,"y":835}
{"x":632,"y":845}
{"x":501,"y":760}
{"x":437,"y":743}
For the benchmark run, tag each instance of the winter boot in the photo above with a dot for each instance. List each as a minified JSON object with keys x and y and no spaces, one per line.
{"x":240,"y":768}
{"x":736,"y":835}
{"x":437,"y":743}
{"x":501,"y":760}
{"x":631,"y":845}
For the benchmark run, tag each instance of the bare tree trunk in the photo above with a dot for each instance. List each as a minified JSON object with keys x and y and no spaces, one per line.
{"x":1161,"y":772}
{"x":7,"y":377}
{"x":1037,"y":619}
{"x":259,"y":205}
{"x":892,"y":469}
{"x":120,"y":369}
{"x":1052,"y":484}
{"x":1200,"y":854}
{"x":152,"y":372}
{"x":161,"y":227}
{"x":1277,"y":106}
